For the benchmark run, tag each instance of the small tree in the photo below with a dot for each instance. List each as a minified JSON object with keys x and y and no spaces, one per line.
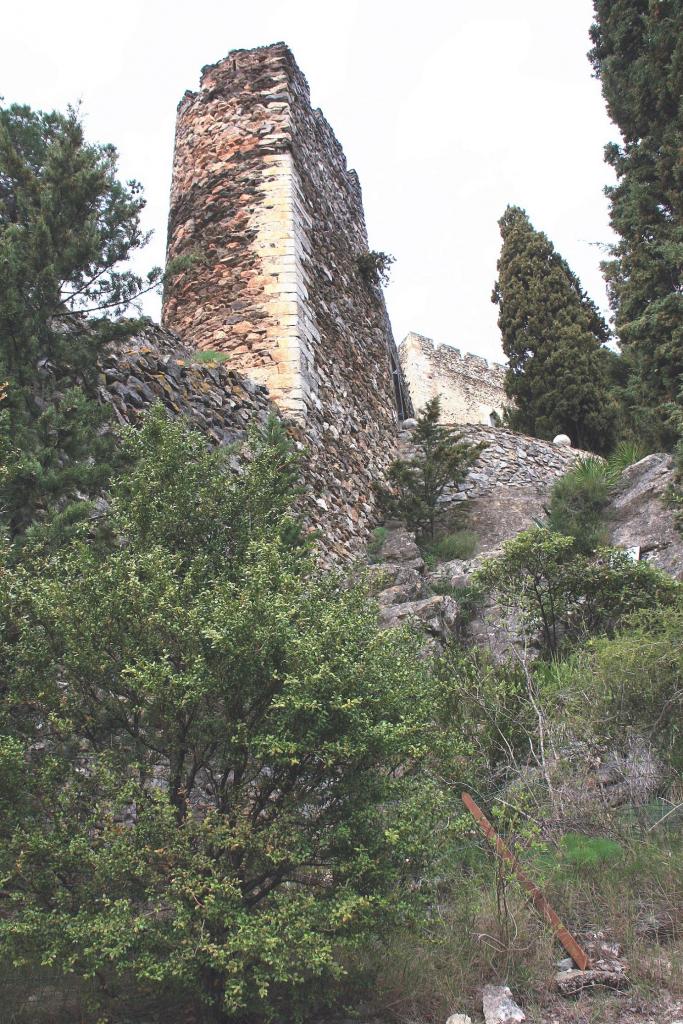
{"x":442,"y":459}
{"x":207,"y":744}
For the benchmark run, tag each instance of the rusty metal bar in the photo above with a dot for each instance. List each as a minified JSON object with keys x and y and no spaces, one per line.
{"x":578,"y":955}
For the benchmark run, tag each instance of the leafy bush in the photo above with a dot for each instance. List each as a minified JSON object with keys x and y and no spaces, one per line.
{"x":459,"y":545}
{"x":210,"y":764}
{"x":566,"y":597}
{"x":632,"y":681}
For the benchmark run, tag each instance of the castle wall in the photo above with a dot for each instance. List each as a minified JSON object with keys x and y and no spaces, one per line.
{"x":270,"y":222}
{"x":471,"y":388}
{"x":508,"y":487}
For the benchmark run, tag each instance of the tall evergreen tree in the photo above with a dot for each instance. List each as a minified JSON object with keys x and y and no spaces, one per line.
{"x":638,"y":57}
{"x":553,"y":335}
{"x":66,"y":226}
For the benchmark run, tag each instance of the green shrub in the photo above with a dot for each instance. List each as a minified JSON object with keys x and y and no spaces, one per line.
{"x":444,"y":588}
{"x":632,"y":682}
{"x":577,"y":503}
{"x":210,"y":777}
{"x":565,"y":597}
{"x":626,"y":454}
{"x":585,"y":852}
{"x":579,"y":498}
{"x":210,"y":357}
{"x":459,"y":545}
{"x":376,"y":542}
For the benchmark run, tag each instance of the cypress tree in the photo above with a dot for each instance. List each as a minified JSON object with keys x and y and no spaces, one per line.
{"x":553,"y":336}
{"x":638,"y":56}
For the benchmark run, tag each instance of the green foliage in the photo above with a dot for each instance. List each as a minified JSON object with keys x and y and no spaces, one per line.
{"x":577,"y":504}
{"x":210,"y":754}
{"x":377,"y":539}
{"x":565,"y":597}
{"x":210,"y":357}
{"x":66,"y":225}
{"x":674,"y":494}
{"x":375,"y":267}
{"x":578,"y":500}
{"x":638,"y":57}
{"x":586,"y":852}
{"x":626,"y":454}
{"x":632,"y":681}
{"x":558,"y":371}
{"x":461,"y":544}
{"x":442,"y":460}
{"x":487,"y":706}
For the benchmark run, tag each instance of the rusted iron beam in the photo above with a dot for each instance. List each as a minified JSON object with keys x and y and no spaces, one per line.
{"x":578,"y":955}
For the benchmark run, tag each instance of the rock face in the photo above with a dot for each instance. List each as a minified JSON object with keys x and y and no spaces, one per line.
{"x":270,"y":222}
{"x":471,"y":389}
{"x":638,"y":516}
{"x":404,"y":592}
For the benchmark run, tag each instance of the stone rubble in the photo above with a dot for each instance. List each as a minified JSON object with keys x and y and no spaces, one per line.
{"x":499,"y":1006}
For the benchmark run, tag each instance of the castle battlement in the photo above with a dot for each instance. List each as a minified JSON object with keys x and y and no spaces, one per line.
{"x":470,"y":387}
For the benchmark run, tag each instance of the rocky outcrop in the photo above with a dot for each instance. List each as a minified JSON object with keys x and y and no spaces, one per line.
{"x":639,"y":517}
{"x":404,"y":594}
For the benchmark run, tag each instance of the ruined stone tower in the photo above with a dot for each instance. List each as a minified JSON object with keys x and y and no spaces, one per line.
{"x":271,"y":224}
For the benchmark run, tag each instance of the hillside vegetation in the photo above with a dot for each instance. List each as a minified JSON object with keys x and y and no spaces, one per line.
{"x":227,"y":794}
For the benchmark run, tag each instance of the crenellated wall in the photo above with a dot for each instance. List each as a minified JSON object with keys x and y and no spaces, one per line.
{"x":269,"y":222}
{"x":470,"y":388}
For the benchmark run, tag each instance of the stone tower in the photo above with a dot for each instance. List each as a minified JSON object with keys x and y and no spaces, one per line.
{"x":270,"y":223}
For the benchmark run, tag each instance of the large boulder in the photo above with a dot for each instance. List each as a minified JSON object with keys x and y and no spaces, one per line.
{"x":400,"y":547}
{"x":639,"y":517}
{"x":437,"y":615}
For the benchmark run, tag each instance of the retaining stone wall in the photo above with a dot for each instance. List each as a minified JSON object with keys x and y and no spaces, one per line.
{"x":508,"y":487}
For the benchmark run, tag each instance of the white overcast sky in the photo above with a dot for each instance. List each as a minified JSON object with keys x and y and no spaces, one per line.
{"x":448,"y":109}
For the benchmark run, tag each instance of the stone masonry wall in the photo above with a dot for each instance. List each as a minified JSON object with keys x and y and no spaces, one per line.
{"x":220,"y":402}
{"x":271,"y":221}
{"x":154,"y":366}
{"x":470,"y":387}
{"x":508,"y":487}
